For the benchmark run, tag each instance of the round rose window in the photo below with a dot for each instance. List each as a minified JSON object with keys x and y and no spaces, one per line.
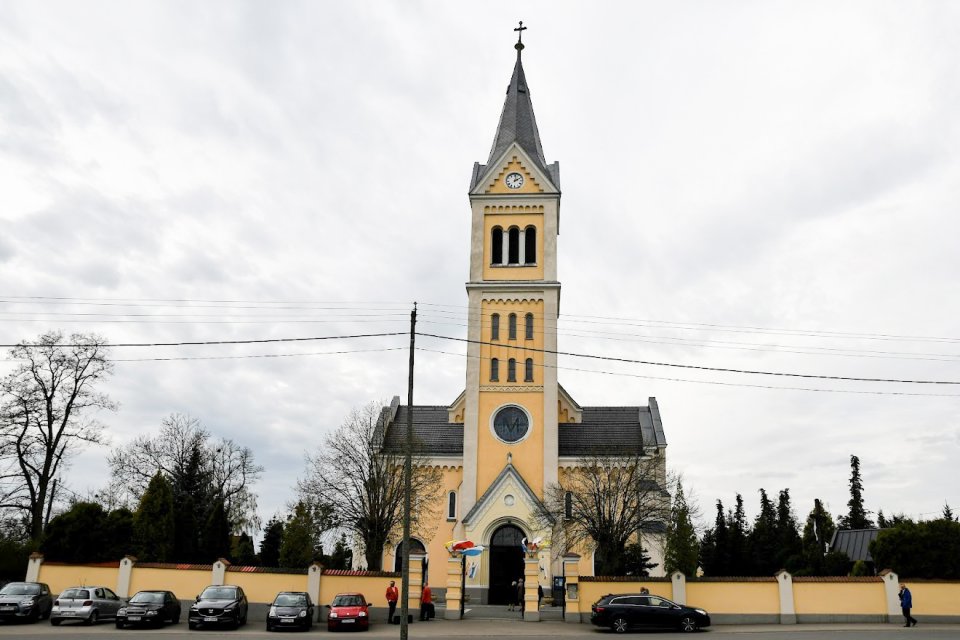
{"x":511,"y":424}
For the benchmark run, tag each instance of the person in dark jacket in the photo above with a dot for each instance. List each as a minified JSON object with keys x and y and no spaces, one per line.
{"x":906,"y":603}
{"x":521,"y":601}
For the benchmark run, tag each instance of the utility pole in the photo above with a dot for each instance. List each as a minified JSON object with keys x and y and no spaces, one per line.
{"x":407,"y":473}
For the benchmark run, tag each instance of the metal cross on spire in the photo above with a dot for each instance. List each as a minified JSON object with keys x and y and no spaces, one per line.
{"x":519,"y":30}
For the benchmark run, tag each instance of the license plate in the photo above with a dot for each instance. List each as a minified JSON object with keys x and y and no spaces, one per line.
{"x":209,"y":619}
{"x":133,"y":618}
{"x":287,"y":619}
{"x":8,"y":607}
{"x":67,"y":613}
{"x":347,"y":621}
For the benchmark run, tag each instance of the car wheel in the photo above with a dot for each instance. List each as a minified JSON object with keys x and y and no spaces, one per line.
{"x":119,"y":624}
{"x":243,"y":619}
{"x":619,"y":625}
{"x":269,"y":627}
{"x":55,"y":622}
{"x":175,"y":619}
{"x":192,"y":625}
{"x":46,"y":616}
{"x":688,"y":624}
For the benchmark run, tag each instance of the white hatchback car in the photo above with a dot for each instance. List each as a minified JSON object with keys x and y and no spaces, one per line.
{"x":89,"y":604}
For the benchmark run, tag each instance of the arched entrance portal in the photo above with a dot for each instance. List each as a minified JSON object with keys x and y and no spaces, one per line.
{"x":506,"y":563}
{"x":417,"y":547}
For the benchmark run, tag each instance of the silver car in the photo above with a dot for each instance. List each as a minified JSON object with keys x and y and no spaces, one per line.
{"x":89,"y":604}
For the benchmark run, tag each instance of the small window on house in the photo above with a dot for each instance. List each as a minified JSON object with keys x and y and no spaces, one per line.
{"x":568,"y":505}
{"x":528,"y":326}
{"x":511,"y":370}
{"x":496,"y":246}
{"x":495,"y":326}
{"x":452,"y":505}
{"x":494,"y":370}
{"x":530,"y":245}
{"x":512,"y":327}
{"x":513,"y":240}
{"x":528,"y":370}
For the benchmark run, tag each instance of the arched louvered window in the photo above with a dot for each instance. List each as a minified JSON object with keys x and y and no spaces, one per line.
{"x":496,"y":246}
{"x":512,"y":326}
{"x":495,"y":326}
{"x":528,"y":326}
{"x":513,"y":244}
{"x":511,"y":370}
{"x":568,"y":505}
{"x":528,"y":370}
{"x":530,"y":245}
{"x":494,"y":370}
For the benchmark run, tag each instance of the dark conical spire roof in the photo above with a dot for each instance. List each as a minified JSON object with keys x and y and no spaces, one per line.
{"x":517,"y":122}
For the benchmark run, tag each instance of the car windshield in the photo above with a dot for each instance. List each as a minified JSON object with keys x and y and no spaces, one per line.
{"x":78,"y":594}
{"x":348,"y":601}
{"x":20,"y":589}
{"x":291,"y":600}
{"x":219,"y":593}
{"x":146,"y":597}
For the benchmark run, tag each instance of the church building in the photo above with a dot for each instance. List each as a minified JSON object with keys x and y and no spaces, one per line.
{"x":512,"y":430}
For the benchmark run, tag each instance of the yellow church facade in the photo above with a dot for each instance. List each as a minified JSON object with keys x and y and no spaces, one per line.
{"x":507,"y":437}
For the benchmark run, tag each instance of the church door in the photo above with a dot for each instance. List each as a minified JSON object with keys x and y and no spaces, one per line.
{"x":506,"y":563}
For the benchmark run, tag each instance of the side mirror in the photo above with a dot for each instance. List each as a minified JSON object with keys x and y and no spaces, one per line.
{"x":197,"y":599}
{"x":327,"y":606}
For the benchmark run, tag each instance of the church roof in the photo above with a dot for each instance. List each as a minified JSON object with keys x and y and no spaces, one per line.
{"x":518,"y":124}
{"x":854,"y":542}
{"x":603,"y":431}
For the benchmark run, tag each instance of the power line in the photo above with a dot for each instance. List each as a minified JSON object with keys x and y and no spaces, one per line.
{"x":217,"y":342}
{"x":262,"y":355}
{"x":691,"y":366}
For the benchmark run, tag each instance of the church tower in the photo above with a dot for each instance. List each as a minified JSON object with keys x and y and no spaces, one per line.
{"x":514,"y":297}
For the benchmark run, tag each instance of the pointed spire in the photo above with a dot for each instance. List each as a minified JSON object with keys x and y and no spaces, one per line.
{"x":517,"y":122}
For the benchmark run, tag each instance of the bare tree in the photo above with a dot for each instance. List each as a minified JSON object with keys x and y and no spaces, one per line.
{"x":44,"y":406}
{"x":184,"y":449}
{"x":363,"y":481}
{"x":607,"y":503}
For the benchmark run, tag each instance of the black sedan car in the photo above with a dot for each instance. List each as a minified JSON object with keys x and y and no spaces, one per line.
{"x":624,"y":611}
{"x":149,"y":608}
{"x":25,"y":601}
{"x":291,"y":609}
{"x":219,"y":605}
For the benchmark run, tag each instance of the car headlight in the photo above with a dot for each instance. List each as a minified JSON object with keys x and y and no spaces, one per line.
{"x":362,"y":614}
{"x":151,"y":613}
{"x":26,"y":603}
{"x":228,"y":610}
{"x":273,"y":611}
{"x":121,"y":612}
{"x":701,"y":612}
{"x":194,"y":608}
{"x":333,"y":614}
{"x":302,"y":614}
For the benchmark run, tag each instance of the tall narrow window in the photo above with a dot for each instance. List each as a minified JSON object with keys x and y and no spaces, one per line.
{"x":528,"y":370}
{"x":512,"y":327}
{"x":568,"y":505}
{"x":496,"y":246}
{"x":495,"y":326}
{"x":452,"y":505}
{"x":528,"y":326}
{"x":530,"y":245}
{"x":494,"y":370}
{"x":511,"y":370}
{"x":513,"y":254}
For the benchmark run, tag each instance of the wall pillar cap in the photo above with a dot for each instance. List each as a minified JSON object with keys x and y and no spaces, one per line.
{"x":882,"y":573}
{"x":316,"y":566}
{"x":224,"y":562}
{"x":36,"y":555}
{"x":783,"y":572}
{"x":678,"y":575}
{"x":130,"y":559}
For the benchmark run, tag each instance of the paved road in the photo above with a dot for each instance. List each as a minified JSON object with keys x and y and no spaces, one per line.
{"x":493,"y":629}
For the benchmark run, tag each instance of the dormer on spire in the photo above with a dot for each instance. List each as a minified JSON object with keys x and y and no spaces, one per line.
{"x":518,"y":124}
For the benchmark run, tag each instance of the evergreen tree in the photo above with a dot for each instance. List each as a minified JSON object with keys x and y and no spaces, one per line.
{"x":763,"y":540}
{"x":153,"y":523}
{"x":948,"y":513}
{"x":190,"y":488}
{"x":682,"y":549}
{"x":270,"y":545}
{"x":300,"y":545}
{"x":740,"y":561}
{"x":856,"y":517}
{"x":636,"y":561}
{"x":342,"y":556}
{"x":881,"y":520}
{"x":791,"y":547}
{"x":817,"y":533}
{"x":242,"y":551}
{"x":119,"y":533}
{"x":715,"y":547}
{"x":929,"y":549}
{"x":215,"y":537}
{"x":81,"y":534}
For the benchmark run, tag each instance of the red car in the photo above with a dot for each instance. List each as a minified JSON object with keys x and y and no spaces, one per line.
{"x":348,"y":611}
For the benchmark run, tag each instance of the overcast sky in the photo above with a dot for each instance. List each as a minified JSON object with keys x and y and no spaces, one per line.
{"x":769,"y":186}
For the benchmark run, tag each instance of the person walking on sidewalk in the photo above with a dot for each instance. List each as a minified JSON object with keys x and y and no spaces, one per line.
{"x":426,"y":603}
{"x":906,"y":603}
{"x":520,"y":593}
{"x":512,"y":596}
{"x":393,"y":594}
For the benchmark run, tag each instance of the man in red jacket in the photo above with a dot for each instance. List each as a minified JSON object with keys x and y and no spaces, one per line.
{"x":426,"y":603}
{"x":393,"y":594}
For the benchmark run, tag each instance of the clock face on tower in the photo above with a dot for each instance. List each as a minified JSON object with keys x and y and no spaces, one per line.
{"x":511,"y":424}
{"x":514,"y":180}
